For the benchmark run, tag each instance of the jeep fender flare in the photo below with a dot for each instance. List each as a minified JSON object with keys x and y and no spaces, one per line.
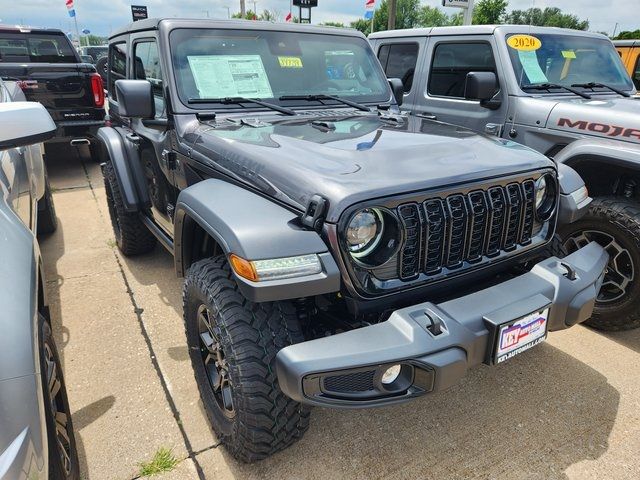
{"x":254,"y":228}
{"x":622,"y":154}
{"x":122,"y":151}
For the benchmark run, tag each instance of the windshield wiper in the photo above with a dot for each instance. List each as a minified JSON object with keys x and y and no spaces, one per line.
{"x":593,"y":85}
{"x":319,"y":97}
{"x":241,"y":100}
{"x":547,"y":86}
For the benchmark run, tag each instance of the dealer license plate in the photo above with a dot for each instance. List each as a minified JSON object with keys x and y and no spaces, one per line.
{"x":519,"y":335}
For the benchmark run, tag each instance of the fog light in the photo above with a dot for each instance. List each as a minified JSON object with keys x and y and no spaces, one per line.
{"x":391,"y":374}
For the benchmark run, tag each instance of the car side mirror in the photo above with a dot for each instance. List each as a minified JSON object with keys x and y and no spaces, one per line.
{"x":135,"y":99}
{"x":24,"y":123}
{"x":398,"y":90}
{"x":480,"y":86}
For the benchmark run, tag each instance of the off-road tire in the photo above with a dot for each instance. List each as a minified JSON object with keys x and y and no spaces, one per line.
{"x":620,"y":218}
{"x":251,"y":334}
{"x":132,"y":236}
{"x":56,"y":404}
{"x":47,"y":219}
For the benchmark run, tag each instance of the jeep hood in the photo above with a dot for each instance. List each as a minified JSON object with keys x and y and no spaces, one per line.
{"x":615,"y":118}
{"x":357,"y":158}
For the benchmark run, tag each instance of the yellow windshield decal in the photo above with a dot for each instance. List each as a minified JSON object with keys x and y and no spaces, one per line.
{"x":290,"y":62}
{"x":524,"y":42}
{"x":568,"y":54}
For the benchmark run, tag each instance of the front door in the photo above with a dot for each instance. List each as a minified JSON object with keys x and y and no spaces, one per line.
{"x":441,"y":91}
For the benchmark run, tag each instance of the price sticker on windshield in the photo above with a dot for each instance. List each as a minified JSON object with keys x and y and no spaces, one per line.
{"x":290,"y":62}
{"x":525,"y":43}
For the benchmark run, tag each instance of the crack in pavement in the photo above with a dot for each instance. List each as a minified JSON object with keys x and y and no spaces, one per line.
{"x":154,"y":360}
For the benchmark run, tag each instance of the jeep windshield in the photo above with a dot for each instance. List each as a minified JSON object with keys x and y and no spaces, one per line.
{"x":282,"y":68}
{"x":556,"y":63}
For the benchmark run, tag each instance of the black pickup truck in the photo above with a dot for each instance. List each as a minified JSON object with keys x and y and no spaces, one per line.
{"x":49,"y":71}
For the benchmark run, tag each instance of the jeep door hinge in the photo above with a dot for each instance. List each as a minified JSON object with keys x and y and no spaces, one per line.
{"x":314,"y":214}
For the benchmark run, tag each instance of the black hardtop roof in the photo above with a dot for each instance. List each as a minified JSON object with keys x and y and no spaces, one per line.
{"x":154,"y":24}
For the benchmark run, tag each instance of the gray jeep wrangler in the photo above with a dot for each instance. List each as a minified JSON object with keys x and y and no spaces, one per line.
{"x":562,"y":92}
{"x":335,"y":252}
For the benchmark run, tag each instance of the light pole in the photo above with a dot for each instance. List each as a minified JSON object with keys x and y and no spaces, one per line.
{"x":228,"y":12}
{"x":243,"y":10}
{"x":468,"y":14}
{"x":255,"y":9}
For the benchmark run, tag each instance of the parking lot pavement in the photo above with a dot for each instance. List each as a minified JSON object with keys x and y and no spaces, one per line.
{"x":569,"y":408}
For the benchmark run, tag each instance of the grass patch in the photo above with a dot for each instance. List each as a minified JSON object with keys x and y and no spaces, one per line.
{"x":111,"y":243}
{"x":163,"y":461}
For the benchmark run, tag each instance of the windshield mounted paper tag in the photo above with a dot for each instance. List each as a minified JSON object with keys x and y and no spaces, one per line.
{"x":529,"y":62}
{"x":220,"y":76}
{"x":290,"y":62}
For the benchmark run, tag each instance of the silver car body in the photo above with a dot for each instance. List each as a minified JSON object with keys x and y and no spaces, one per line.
{"x":23,"y":439}
{"x":546,"y":122}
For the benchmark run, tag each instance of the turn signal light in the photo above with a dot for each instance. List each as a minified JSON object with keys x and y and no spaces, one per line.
{"x":243,"y":268}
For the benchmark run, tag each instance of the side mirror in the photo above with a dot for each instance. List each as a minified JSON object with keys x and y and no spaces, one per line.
{"x":480,"y":86}
{"x":24,"y":123}
{"x":398,"y":90}
{"x":135,"y":99}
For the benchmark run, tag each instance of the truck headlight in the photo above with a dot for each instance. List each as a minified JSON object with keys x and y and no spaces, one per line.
{"x":545,"y":197}
{"x":364,"y":232}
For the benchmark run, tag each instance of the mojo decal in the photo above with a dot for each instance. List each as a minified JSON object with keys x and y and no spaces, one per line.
{"x":524,"y":42}
{"x":602,"y":128}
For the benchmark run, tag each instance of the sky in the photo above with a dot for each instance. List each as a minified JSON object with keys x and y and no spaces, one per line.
{"x":101,"y":17}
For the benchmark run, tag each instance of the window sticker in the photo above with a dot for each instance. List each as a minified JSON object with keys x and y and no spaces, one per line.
{"x":524,"y":43}
{"x":529,"y":62}
{"x":290,"y":62}
{"x":219,"y":76}
{"x":568,"y":54}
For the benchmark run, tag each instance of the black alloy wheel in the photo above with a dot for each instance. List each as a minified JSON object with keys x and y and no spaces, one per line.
{"x":214,"y":361}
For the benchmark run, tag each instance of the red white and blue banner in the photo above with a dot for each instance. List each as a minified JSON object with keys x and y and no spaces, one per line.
{"x":70,"y":9}
{"x":369,"y":8}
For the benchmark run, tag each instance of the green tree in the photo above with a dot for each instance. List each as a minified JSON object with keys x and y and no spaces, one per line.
{"x":628,"y":35}
{"x":363,"y":25}
{"x":549,"y":17}
{"x":333,"y":24}
{"x":94,"y":40}
{"x":407,"y":14}
{"x":490,"y":12}
{"x":432,"y":17}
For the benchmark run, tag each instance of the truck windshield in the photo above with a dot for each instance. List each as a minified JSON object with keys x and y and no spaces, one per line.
{"x":35,"y":48}
{"x":268,"y":65}
{"x":566,"y":60}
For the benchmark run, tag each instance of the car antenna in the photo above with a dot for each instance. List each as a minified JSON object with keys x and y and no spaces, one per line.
{"x":512,"y":131}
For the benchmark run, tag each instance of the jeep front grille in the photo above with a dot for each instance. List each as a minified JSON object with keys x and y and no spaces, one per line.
{"x":447,"y":231}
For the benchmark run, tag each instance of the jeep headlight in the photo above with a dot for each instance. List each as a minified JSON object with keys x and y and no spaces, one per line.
{"x":372,"y":236}
{"x":545,"y":197}
{"x":364,"y":232}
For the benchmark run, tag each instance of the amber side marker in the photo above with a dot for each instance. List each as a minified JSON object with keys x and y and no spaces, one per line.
{"x":243,"y":268}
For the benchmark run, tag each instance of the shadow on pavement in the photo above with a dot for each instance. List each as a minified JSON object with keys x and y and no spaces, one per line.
{"x":629,"y":339}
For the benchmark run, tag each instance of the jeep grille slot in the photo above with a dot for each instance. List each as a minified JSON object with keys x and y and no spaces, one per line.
{"x":465,"y":227}
{"x":410,"y":253}
{"x":436,"y":220}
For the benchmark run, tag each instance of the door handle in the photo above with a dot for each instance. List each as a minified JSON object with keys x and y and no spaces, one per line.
{"x":428,"y":116}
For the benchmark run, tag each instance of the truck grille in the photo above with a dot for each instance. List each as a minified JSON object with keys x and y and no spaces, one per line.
{"x":446,"y":232}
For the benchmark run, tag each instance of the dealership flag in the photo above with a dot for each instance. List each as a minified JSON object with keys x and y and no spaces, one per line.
{"x":72,"y":12}
{"x":288,"y":17}
{"x":369,"y":7}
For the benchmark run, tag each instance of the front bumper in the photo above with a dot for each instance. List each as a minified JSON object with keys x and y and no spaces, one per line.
{"x":345,"y":370}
